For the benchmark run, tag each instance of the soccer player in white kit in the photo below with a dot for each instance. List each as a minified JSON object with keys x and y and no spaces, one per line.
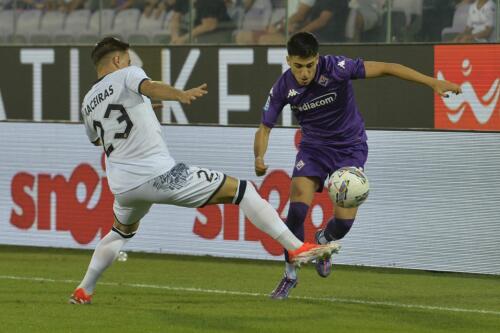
{"x":118,"y":115}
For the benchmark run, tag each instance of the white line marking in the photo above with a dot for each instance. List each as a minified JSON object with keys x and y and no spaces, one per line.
{"x":244,"y":293}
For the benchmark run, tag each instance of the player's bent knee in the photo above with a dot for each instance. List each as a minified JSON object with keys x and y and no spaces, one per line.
{"x":125,"y":230}
{"x":227,"y":192}
{"x":303,"y":189}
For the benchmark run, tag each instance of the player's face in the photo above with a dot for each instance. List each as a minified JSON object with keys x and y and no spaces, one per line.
{"x":303,"y":69}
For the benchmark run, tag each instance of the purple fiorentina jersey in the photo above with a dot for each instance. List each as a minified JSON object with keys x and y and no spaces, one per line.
{"x":325,"y":109}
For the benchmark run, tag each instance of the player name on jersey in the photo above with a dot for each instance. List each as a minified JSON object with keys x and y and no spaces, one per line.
{"x":98,"y":98}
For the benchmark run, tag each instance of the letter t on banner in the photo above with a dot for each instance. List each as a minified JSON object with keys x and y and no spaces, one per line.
{"x":231,"y":102}
{"x":37,"y":57}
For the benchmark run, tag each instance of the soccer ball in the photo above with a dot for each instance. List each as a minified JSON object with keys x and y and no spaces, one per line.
{"x":348,"y":187}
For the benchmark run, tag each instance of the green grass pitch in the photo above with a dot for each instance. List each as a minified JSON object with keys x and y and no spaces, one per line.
{"x":166,"y":293}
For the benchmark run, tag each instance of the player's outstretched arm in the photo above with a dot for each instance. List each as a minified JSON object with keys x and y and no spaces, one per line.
{"x":162,"y":91}
{"x":377,"y":69}
{"x":260,"y":147}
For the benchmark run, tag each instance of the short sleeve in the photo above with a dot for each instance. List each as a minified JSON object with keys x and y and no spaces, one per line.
{"x":274,"y":105}
{"x":135,"y":76}
{"x":347,"y":68}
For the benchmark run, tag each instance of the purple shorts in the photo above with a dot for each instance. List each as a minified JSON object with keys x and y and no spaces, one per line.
{"x":322,"y":161}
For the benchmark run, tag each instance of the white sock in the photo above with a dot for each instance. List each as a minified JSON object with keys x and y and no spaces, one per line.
{"x":288,"y":239}
{"x":104,"y":255}
{"x":264,"y":216}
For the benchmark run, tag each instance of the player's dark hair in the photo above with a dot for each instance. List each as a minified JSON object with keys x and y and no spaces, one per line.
{"x":302,"y":44}
{"x":106,"y":46}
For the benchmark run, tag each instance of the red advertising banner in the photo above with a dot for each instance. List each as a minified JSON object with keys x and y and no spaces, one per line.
{"x":54,"y":193}
{"x":477,"y":69}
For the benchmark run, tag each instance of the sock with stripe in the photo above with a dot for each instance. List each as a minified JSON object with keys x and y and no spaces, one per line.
{"x":104,"y":255}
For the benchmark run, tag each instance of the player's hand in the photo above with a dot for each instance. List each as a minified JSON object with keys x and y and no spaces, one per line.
{"x":443,"y":87}
{"x":190,"y":95}
{"x":260,"y":167}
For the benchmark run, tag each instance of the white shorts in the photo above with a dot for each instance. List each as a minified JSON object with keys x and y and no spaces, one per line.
{"x":181,"y":186}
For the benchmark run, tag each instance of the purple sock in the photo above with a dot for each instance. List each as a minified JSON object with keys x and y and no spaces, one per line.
{"x":337,"y":228}
{"x":295,"y":220}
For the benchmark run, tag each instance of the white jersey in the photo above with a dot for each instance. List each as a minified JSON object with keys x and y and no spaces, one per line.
{"x":480,"y":19}
{"x":115,"y":111}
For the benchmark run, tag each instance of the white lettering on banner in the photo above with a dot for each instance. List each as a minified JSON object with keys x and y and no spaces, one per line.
{"x":234,"y":103}
{"x":482,"y":107}
{"x":477,"y":70}
{"x":74,"y":84}
{"x":37,"y":57}
{"x":3,"y":115}
{"x":277,"y":56}
{"x":175,"y":107}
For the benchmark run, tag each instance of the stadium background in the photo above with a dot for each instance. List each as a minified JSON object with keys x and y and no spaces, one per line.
{"x":447,"y":175}
{"x":433,"y":166}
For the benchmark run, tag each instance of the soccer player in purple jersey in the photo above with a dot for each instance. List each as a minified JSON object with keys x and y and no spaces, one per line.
{"x":319,"y":91}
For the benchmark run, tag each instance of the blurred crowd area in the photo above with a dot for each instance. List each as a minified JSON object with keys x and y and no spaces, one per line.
{"x":247,"y":21}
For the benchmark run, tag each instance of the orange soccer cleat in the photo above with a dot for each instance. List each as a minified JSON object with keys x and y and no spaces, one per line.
{"x":79,"y":296}
{"x":309,"y":252}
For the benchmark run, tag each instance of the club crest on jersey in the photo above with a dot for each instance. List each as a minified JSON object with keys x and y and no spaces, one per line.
{"x":292,"y":93}
{"x":300,"y":165}
{"x":323,"y":80}
{"x":341,"y":64}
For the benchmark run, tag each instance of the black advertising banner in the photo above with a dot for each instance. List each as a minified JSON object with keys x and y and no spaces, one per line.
{"x":49,"y":83}
{"x":389,"y":102}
